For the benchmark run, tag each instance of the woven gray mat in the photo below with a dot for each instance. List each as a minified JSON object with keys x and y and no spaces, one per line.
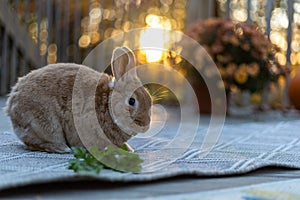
{"x":242,"y":147}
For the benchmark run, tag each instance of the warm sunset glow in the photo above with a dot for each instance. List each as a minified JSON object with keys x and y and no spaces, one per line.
{"x":155,"y":37}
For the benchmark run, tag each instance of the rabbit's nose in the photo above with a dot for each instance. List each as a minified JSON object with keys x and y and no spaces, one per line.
{"x":145,"y":128}
{"x":143,"y":122}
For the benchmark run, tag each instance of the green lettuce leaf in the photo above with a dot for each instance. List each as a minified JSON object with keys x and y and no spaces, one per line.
{"x":93,"y":161}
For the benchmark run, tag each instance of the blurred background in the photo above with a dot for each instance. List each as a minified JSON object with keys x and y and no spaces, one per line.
{"x":34,"y":33}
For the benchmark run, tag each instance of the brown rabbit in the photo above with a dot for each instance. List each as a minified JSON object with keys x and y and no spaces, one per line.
{"x":44,"y":105}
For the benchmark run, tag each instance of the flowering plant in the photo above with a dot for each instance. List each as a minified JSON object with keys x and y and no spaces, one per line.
{"x":244,"y":55}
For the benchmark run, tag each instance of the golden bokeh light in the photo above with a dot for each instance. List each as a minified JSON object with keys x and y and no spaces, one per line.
{"x":84,"y":41}
{"x":294,"y":59}
{"x":95,"y":13}
{"x":278,"y":39}
{"x":298,"y":58}
{"x":43,"y":49}
{"x":103,"y":21}
{"x":281,"y":58}
{"x":52,"y":49}
{"x":95,"y":37}
{"x":51,"y":59}
{"x":157,"y":37}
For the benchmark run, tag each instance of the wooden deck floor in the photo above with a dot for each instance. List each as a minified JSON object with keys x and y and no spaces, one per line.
{"x":173,"y":186}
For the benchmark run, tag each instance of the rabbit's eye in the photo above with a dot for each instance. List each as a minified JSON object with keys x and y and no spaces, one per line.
{"x":131,"y":101}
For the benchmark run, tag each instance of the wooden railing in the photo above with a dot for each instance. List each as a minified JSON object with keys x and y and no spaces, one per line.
{"x":22,"y":51}
{"x":268,"y":10}
{"x":17,"y":52}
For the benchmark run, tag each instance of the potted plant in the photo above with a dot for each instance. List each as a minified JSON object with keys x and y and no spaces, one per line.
{"x":245,"y":57}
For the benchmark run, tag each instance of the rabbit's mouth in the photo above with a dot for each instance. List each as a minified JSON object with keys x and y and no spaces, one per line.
{"x":143,"y":126}
{"x":128,"y":130}
{"x":133,"y":128}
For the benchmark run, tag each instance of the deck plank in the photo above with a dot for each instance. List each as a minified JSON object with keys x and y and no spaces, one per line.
{"x":170,"y":186}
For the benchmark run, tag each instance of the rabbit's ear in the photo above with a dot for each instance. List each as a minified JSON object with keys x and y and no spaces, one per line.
{"x":122,"y":61}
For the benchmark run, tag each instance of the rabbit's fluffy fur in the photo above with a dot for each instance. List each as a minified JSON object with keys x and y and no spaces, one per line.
{"x":40,"y":105}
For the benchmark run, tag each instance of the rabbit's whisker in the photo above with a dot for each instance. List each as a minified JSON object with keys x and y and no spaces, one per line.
{"x":159,"y":94}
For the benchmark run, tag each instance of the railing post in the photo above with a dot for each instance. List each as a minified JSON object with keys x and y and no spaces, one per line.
{"x":211,"y":8}
{"x":49,"y":15}
{"x":4,"y":65}
{"x":269,"y":8}
{"x":13,"y":64}
{"x":228,"y":9}
{"x":249,"y":18}
{"x":19,"y":33}
{"x":199,"y":10}
{"x":290,"y":12}
{"x":66,"y":31}
{"x":58,"y":10}
{"x":77,"y":28}
{"x":38,"y":4}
